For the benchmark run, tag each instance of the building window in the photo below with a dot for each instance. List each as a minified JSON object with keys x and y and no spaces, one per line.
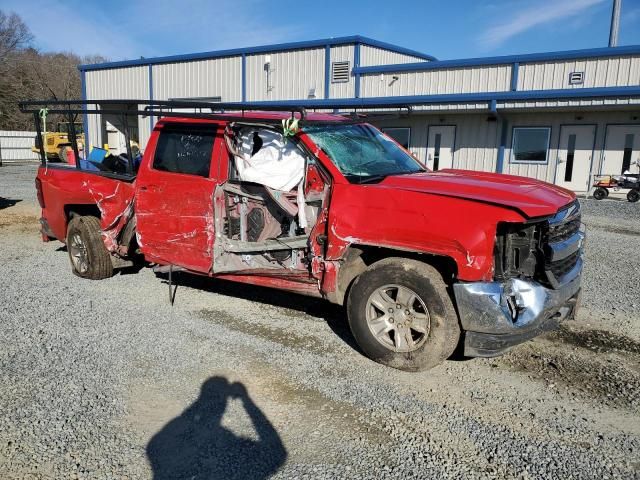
{"x":339,"y":72}
{"x":530,"y":144}
{"x":184,"y":150}
{"x":400,"y":135}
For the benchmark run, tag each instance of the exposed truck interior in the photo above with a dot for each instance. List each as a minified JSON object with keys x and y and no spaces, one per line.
{"x":271,"y":203}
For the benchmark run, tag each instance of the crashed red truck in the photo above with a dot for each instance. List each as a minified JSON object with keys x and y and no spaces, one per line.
{"x":423,"y":261}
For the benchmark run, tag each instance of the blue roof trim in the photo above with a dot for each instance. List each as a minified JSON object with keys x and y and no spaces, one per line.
{"x":402,"y":101}
{"x":506,"y":59}
{"x":356,"y":64}
{"x":259,"y":49}
{"x":394,"y":48}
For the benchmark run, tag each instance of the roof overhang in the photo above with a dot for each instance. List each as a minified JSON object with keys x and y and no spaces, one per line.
{"x":280,"y":47}
{"x":449,"y":98}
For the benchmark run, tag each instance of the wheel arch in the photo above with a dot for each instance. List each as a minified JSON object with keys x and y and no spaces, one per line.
{"x":81,"y":209}
{"x":359,"y":257}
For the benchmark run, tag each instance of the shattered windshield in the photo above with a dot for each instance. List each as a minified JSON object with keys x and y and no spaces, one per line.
{"x":361,"y":152}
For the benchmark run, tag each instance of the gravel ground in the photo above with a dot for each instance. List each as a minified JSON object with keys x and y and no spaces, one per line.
{"x":107,"y":380}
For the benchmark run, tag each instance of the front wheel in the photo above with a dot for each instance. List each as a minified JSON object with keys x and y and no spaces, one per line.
{"x":633,"y":196}
{"x":402,"y":316}
{"x":89,"y":257}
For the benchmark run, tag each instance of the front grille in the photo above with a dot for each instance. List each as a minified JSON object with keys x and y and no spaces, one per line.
{"x":562,"y":231}
{"x":561,"y":267}
{"x":527,"y":250}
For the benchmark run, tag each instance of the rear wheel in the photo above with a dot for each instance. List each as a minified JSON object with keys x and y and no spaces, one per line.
{"x":600,"y":193}
{"x":633,"y":196}
{"x":89,"y":257}
{"x":402,"y":316}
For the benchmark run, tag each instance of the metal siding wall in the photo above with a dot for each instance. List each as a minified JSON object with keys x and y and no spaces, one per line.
{"x":221,"y":77}
{"x":452,"y":80}
{"x":113,"y":84}
{"x":555,"y":120}
{"x":293,"y":74}
{"x":144,"y":131}
{"x":16,"y":146}
{"x":379,"y":56}
{"x":116,"y":83}
{"x":476,"y":139}
{"x":343,"y":53}
{"x":599,"y":72}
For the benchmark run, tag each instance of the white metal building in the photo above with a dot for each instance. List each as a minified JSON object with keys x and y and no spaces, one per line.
{"x":556,"y":116}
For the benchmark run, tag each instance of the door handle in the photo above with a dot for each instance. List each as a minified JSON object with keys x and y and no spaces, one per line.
{"x":151,"y":188}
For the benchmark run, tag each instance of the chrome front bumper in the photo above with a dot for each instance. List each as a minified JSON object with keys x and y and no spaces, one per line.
{"x":497,"y":316}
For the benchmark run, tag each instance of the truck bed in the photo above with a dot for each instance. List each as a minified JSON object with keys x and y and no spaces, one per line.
{"x":67,"y":190}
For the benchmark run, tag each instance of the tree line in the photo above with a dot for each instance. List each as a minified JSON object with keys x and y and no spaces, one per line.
{"x":26,"y":73}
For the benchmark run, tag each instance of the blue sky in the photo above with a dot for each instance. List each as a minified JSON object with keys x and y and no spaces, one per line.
{"x":122,"y":29}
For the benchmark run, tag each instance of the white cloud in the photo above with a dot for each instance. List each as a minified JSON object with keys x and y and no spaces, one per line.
{"x":150,"y":27}
{"x":540,"y":14}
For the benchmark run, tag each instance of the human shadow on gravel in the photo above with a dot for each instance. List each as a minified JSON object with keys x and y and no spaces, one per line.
{"x":196,"y":446}
{"x":334,"y":315}
{"x":7,"y":202}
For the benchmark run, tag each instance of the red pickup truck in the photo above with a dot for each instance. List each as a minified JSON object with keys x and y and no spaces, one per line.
{"x":423,"y":261}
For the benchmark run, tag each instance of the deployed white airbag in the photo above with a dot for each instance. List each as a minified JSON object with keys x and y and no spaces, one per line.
{"x":277,"y":164}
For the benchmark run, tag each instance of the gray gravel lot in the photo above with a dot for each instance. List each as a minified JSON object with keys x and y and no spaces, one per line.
{"x":107,"y":380}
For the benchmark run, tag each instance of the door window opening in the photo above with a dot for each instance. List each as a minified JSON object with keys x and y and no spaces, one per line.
{"x":628,"y":150}
{"x":571,"y":151}
{"x":436,"y":151}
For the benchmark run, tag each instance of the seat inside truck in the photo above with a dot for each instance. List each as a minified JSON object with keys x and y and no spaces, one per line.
{"x":272,"y":200}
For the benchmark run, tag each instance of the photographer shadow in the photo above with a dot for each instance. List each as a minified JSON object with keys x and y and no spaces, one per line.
{"x":196,"y":446}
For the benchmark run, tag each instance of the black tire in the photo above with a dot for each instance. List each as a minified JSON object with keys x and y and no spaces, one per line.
{"x":600,"y":193}
{"x":443,"y":332}
{"x":633,"y":196}
{"x":62,"y":154}
{"x":88,"y":255}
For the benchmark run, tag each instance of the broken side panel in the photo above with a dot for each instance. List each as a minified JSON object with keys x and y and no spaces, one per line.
{"x":259,"y":229}
{"x":256,"y":233}
{"x":271,"y":211}
{"x":72,"y":190}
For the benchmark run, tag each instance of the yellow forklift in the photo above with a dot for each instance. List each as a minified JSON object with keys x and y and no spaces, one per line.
{"x":57,"y":143}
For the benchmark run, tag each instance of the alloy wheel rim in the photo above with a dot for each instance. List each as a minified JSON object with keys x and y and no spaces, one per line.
{"x":398,"y":318}
{"x":79,"y":255}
